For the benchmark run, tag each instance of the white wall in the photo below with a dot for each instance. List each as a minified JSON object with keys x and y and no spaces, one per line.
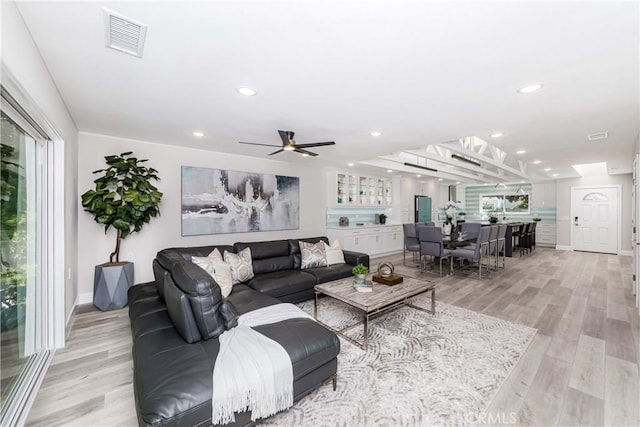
{"x":410,"y":187}
{"x":22,"y":58}
{"x":563,"y":198}
{"x":165,"y":231}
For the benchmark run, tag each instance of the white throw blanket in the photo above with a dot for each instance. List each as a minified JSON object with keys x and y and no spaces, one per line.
{"x":252,"y":371}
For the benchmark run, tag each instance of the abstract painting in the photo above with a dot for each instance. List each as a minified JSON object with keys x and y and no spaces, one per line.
{"x":217,"y":201}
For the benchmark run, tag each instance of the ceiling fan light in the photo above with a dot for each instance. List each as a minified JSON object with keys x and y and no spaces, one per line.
{"x":530,"y":88}
{"x":288,"y":148}
{"x":246,"y":91}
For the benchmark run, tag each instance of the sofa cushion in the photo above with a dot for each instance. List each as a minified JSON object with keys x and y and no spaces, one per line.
{"x":204,"y":296}
{"x":218,"y":269}
{"x":332,"y":272}
{"x":180,"y":312}
{"x":280,"y":283}
{"x":240,"y":264}
{"x":312,"y":255}
{"x":294,"y":248}
{"x":167,"y":257}
{"x":334,"y":253}
{"x":268,"y":256}
{"x":229,"y":314}
{"x":245,"y":299}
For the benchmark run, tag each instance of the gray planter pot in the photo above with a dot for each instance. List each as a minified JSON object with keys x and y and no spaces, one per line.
{"x":111,"y":282}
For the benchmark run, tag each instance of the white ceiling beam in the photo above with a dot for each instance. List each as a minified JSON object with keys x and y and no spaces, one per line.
{"x":397,"y":163}
{"x":446,"y":159}
{"x":488,"y":160}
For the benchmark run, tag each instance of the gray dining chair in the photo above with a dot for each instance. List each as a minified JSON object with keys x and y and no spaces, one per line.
{"x":470,"y":230}
{"x":411,"y":243}
{"x":493,"y":242}
{"x":431,"y":245}
{"x":477,"y":253}
{"x":502,"y":232}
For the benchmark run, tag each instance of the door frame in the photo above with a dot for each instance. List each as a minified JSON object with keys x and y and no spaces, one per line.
{"x":618,"y":189}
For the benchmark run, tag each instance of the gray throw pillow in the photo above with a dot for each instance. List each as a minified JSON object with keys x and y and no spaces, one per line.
{"x":313,"y":255}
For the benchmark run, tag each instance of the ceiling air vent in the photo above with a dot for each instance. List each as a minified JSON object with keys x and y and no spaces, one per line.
{"x":597,"y":136}
{"x":124,"y":34}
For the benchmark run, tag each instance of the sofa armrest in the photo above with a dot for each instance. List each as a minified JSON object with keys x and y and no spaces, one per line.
{"x":355,"y":258}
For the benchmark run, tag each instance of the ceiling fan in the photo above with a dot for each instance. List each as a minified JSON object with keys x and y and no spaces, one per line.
{"x":289,"y":144}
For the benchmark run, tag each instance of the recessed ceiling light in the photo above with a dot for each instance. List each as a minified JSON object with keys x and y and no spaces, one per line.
{"x":555,"y":174}
{"x":198,"y":134}
{"x":305,"y":155}
{"x":496,"y":135}
{"x":376,"y":133}
{"x":389,"y":170}
{"x":530,"y":88}
{"x":485,"y":184}
{"x":418,"y":176}
{"x":521,"y":151}
{"x":537,"y":162}
{"x":546,"y":169}
{"x":246,"y":91}
{"x":521,"y":182}
{"x":440,"y":179}
{"x":349,"y":164}
{"x":457,"y":182}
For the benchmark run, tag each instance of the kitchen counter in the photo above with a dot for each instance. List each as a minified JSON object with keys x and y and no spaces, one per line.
{"x":353,"y":226}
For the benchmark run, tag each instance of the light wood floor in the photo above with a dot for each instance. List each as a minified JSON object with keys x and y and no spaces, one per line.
{"x":580,"y":369}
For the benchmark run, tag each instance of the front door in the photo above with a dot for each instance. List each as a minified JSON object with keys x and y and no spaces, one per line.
{"x":595,"y":219}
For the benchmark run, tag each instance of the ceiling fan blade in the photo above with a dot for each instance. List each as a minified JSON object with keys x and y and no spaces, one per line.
{"x":301,"y":151}
{"x":276,"y":152}
{"x":316,"y":144}
{"x":253,"y":143}
{"x":284,"y":136}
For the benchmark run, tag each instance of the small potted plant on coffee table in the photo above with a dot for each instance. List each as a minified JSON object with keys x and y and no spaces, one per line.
{"x":360,"y":271}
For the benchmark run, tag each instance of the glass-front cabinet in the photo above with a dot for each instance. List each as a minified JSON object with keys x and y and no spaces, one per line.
{"x":362,"y":190}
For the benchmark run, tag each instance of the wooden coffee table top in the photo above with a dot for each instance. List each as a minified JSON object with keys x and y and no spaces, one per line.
{"x":381,"y":296}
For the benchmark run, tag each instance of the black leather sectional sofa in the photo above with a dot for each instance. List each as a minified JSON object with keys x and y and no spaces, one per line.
{"x":176,"y":320}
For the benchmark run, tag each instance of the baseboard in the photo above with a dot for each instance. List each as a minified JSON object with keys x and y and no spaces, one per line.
{"x":85,"y":298}
{"x":564,"y":248}
{"x":384,"y":254}
{"x":625,"y":253}
{"x":73,"y":310}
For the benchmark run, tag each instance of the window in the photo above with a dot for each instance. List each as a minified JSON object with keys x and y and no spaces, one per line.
{"x":31,"y":305}
{"x":596,"y":197}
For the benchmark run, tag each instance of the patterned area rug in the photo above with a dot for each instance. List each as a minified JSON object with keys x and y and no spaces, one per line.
{"x":419,"y":369}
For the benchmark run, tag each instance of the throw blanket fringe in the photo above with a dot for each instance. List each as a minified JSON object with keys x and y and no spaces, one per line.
{"x":253,"y":372}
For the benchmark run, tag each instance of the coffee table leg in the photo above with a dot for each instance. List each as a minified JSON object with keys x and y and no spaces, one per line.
{"x":433,"y":300}
{"x":315,"y":307}
{"x":366,"y":331}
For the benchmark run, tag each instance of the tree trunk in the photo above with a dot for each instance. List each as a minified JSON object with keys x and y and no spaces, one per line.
{"x":116,"y":253}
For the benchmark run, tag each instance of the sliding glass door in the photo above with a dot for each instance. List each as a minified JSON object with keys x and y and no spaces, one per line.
{"x":20,"y":246}
{"x":31,"y":248}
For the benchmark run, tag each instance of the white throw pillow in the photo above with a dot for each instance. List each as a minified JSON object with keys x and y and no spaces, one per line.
{"x":240,"y":263}
{"x":334,"y":253}
{"x":218,"y":269}
{"x":313,"y":254}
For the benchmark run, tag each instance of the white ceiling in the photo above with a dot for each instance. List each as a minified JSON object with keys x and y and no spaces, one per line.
{"x":422,"y":73}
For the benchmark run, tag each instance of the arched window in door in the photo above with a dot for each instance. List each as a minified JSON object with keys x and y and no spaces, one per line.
{"x":596,"y":197}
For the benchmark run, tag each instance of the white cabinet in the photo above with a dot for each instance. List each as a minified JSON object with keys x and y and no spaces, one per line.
{"x":373,"y":240}
{"x":545,"y":234}
{"x":355,"y":190}
{"x":544,"y":195}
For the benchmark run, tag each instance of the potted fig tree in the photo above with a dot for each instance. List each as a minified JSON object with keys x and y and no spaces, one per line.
{"x":123,"y":198}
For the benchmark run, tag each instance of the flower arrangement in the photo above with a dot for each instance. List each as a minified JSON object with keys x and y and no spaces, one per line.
{"x":450,"y":211}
